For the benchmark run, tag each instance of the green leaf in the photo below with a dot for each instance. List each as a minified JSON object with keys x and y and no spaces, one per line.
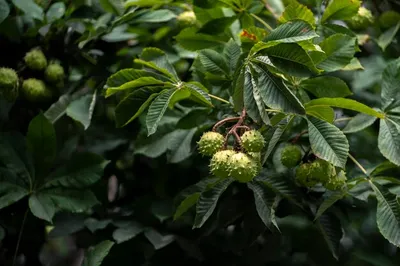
{"x":156,"y":16}
{"x":297,"y":11}
{"x":94,"y":256}
{"x":191,"y":40}
{"x":385,"y":169}
{"x":42,"y":141}
{"x":328,"y":142}
{"x":157,"y":240}
{"x":252,"y":99}
{"x":11,"y":193}
{"x":4,"y":10}
{"x":387,"y":37}
{"x":217,"y":26}
{"x":341,"y":9}
{"x":208,"y":201}
{"x":181,"y":148}
{"x":146,"y":3}
{"x":390,"y":94}
{"x":126,"y":75}
{"x":387,"y":214}
{"x":275,"y":135}
{"x":290,"y":32}
{"x":134,"y":104}
{"x":331,"y":230}
{"x":160,"y":59}
{"x":232,"y":54}
{"x":30,"y":8}
{"x":157,"y":110}
{"x":55,"y":12}
{"x":2,"y":232}
{"x":339,"y":51}
{"x":322,"y":112}
{"x":238,"y":85}
{"x":42,"y":206}
{"x":345,"y":104}
{"x":290,"y":58}
{"x":115,"y":7}
{"x":213,"y":62}
{"x":329,"y":201}
{"x":264,"y":199}
{"x":198,"y":91}
{"x":389,"y":140}
{"x":83,"y":170}
{"x":127,"y":232}
{"x":135,"y":84}
{"x":274,"y":92}
{"x":82,"y":109}
{"x":358,"y":123}
{"x":326,"y":86}
{"x":186,"y":204}
{"x":58,"y":109}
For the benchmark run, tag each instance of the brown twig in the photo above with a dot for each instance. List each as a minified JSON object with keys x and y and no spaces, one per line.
{"x":223,"y":121}
{"x":295,"y":139}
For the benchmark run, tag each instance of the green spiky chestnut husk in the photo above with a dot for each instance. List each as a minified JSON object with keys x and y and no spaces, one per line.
{"x":362,"y":20}
{"x":35,"y":90}
{"x":256,"y":156}
{"x":35,"y":59}
{"x":9,"y":84}
{"x":291,"y":156}
{"x":54,"y":73}
{"x":242,"y":167}
{"x":252,"y":141}
{"x":210,"y":143}
{"x":186,"y":19}
{"x":336,"y":182}
{"x":310,"y":174}
{"x":220,"y":163}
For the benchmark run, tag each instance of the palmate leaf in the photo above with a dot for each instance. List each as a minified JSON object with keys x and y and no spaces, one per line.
{"x":208,"y":201}
{"x":329,"y":201}
{"x":264,"y":200}
{"x":389,"y":139}
{"x":274,"y":135}
{"x":129,"y":74}
{"x":297,"y":11}
{"x":157,"y":110}
{"x":213,"y":62}
{"x":232,"y":54}
{"x":11,"y":193}
{"x":331,"y":230}
{"x":339,"y":51}
{"x":186,"y":204}
{"x":390,"y":94}
{"x":322,"y":112}
{"x":340,"y":9}
{"x":199,"y":92}
{"x":358,"y":123}
{"x":159,"y":58}
{"x":94,"y":256}
{"x":388,"y":214}
{"x":326,"y":86}
{"x":290,"y":32}
{"x":274,"y":92}
{"x":328,"y":142}
{"x":345,"y":104}
{"x":135,"y":84}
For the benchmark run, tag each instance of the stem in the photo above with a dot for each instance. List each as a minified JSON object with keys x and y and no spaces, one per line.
{"x":223,"y":121}
{"x":262,"y":22}
{"x":233,"y":131}
{"x":358,"y":164}
{"x":243,"y":127}
{"x":219,"y":99}
{"x":295,"y":139}
{"x":20,"y":236}
{"x":273,"y":110}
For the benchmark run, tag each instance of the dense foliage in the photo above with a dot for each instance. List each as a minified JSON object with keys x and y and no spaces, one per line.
{"x":199,"y":132}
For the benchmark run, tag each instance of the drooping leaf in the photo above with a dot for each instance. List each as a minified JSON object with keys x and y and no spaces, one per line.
{"x":4,"y":10}
{"x":83,"y":170}
{"x":389,"y":140}
{"x":82,"y":109}
{"x":321,"y":112}
{"x":387,"y":37}
{"x":198,"y":91}
{"x":42,"y":143}
{"x":358,"y":123}
{"x":329,"y":202}
{"x":264,"y":199}
{"x":339,"y":51}
{"x":181,"y":147}
{"x":42,"y":206}
{"x":115,"y":7}
{"x":328,"y":142}
{"x":186,"y":204}
{"x":275,"y":134}
{"x":331,"y":230}
{"x":155,"y":16}
{"x":208,"y":201}
{"x":217,"y":26}
{"x":191,"y":40}
{"x":345,"y":104}
{"x":126,"y":75}
{"x":340,"y":9}
{"x":297,"y":11}
{"x":127,"y":232}
{"x":390,"y":94}
{"x":160,"y":59}
{"x":134,"y":104}
{"x":274,"y":92}
{"x":387,"y":214}
{"x":94,"y":256}
{"x":135,"y":84}
{"x":58,"y":109}
{"x":30,"y":8}
{"x":55,"y":12}
{"x":157,"y":240}
{"x":11,"y":193}
{"x":213,"y":62}
{"x":232,"y":54}
{"x":290,"y":32}
{"x":326,"y":86}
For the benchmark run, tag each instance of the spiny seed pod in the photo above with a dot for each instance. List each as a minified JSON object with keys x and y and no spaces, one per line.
{"x":210,"y":143}
{"x":336,"y":182}
{"x":303,"y":176}
{"x":291,"y":156}
{"x":310,"y":174}
{"x":54,"y":73}
{"x":35,"y":90}
{"x":256,"y":156}
{"x":35,"y":59}
{"x":220,"y":163}
{"x":362,"y":20}
{"x":9,"y":84}
{"x":187,"y":18}
{"x":252,"y":141}
{"x":242,"y":167}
